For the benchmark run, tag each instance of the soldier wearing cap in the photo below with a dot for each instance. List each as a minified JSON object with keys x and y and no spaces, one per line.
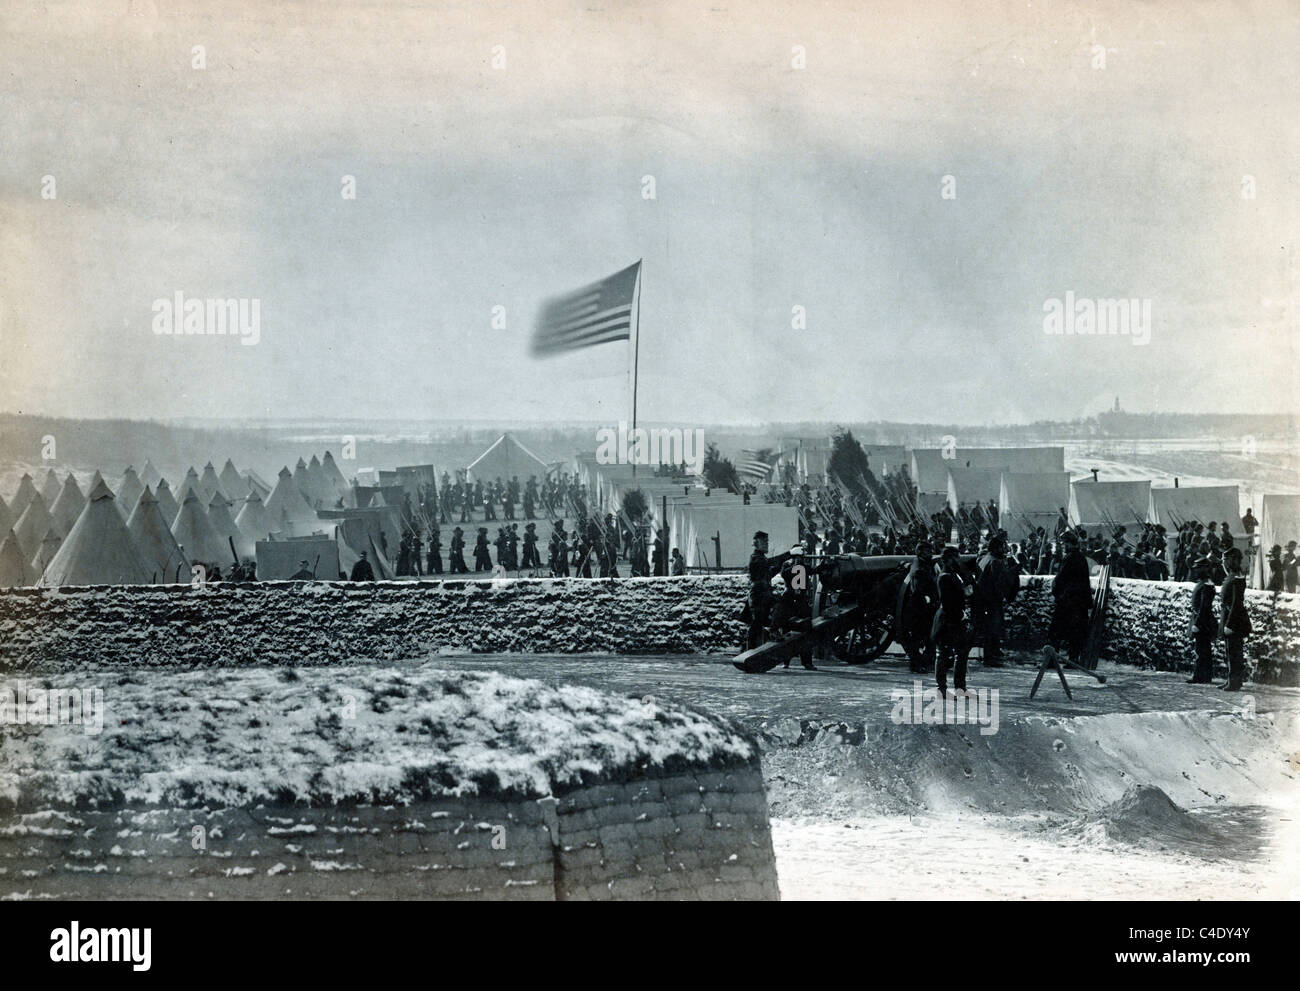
{"x":482,"y":556}
{"x":1234,"y":621}
{"x":761,"y":570}
{"x":951,"y":635}
{"x":1204,"y":625}
{"x":1291,"y":566}
{"x":303,"y":573}
{"x":1072,"y":592}
{"x":793,"y":610}
{"x":456,"y":559}
{"x":531,"y":558}
{"x":917,"y":606}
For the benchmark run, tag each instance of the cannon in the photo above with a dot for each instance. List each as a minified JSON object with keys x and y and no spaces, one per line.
{"x":862,"y":602}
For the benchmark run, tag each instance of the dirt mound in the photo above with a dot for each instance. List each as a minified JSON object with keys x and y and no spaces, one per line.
{"x":1145,"y":814}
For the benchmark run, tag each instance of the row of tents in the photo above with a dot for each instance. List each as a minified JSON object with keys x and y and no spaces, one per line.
{"x":144,"y":533}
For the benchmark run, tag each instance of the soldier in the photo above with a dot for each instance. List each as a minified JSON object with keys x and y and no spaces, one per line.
{"x":951,"y":635}
{"x":792,"y":612}
{"x":761,"y":571}
{"x":660,"y":559}
{"x":417,"y":552}
{"x":678,"y":563}
{"x":920,"y":601}
{"x":532,"y":560}
{"x":456,"y":559}
{"x":997,"y":585}
{"x":362,"y":571}
{"x":1248,"y":522}
{"x":1234,"y":623}
{"x":1204,"y":625}
{"x":435,"y":552}
{"x":503,"y":556}
{"x":1072,"y":592}
{"x":482,"y":556}
{"x":1291,"y":566}
{"x":560,"y":551}
{"x":512,"y":547}
{"x":1276,"y":579}
{"x":303,"y":574}
{"x":530,"y":498}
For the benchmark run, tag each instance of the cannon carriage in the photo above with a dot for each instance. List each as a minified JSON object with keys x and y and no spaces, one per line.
{"x":862,"y":600}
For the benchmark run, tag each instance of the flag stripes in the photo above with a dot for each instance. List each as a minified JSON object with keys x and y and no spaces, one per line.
{"x":595,"y":314}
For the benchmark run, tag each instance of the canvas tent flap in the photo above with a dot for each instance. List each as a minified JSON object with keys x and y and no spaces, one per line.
{"x":1172,"y":508}
{"x":968,"y":486}
{"x":1029,"y":501}
{"x":278,"y":560}
{"x":1105,"y":504}
{"x":1279,"y":523}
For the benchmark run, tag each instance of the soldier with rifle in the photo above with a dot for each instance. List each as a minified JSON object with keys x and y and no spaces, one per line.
{"x":997,"y":585}
{"x":456,"y":559}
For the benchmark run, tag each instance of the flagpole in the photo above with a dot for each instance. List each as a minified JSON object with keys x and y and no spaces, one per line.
{"x":636,"y":353}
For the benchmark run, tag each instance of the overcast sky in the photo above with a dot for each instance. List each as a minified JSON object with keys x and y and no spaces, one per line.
{"x":775,"y":187}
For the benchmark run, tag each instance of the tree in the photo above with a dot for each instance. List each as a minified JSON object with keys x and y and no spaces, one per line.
{"x":718,"y":472}
{"x":635,"y":506}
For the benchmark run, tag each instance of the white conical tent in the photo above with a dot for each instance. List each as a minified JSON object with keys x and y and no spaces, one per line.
{"x":258,"y":484}
{"x":303,"y":482}
{"x":149,"y":475}
{"x":23,"y":497}
{"x":199,"y":541}
{"x":253,"y":519}
{"x":339,"y":486}
{"x":153,"y":536}
{"x":287,"y":507}
{"x":7,"y":519}
{"x":167,"y":504}
{"x":504,"y":458}
{"x":99,"y":550}
{"x":49,"y":547}
{"x":322,"y":493}
{"x":68,"y":506}
{"x":31,"y":526}
{"x":233,"y":484}
{"x":50,"y":487}
{"x":14,"y":568}
{"x":95,"y":481}
{"x":191,"y":484}
{"x":211,"y":484}
{"x":221,"y":520}
{"x":128,"y":491}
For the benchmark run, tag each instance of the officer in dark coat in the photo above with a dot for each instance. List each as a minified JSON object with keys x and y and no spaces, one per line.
{"x":917,"y":606}
{"x":512,"y":547}
{"x":1072,"y":592}
{"x":792,"y":610}
{"x":362,"y":571}
{"x":1204,"y":626}
{"x":998,"y":583}
{"x":303,"y":574}
{"x":1234,"y":622}
{"x":761,"y":570}
{"x":499,"y":543}
{"x":951,"y":634}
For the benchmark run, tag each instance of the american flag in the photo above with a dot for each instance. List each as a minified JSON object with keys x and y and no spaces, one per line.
{"x":749,"y":465}
{"x":596,"y":314}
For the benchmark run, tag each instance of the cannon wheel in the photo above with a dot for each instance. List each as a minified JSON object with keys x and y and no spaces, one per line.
{"x":868,"y":640}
